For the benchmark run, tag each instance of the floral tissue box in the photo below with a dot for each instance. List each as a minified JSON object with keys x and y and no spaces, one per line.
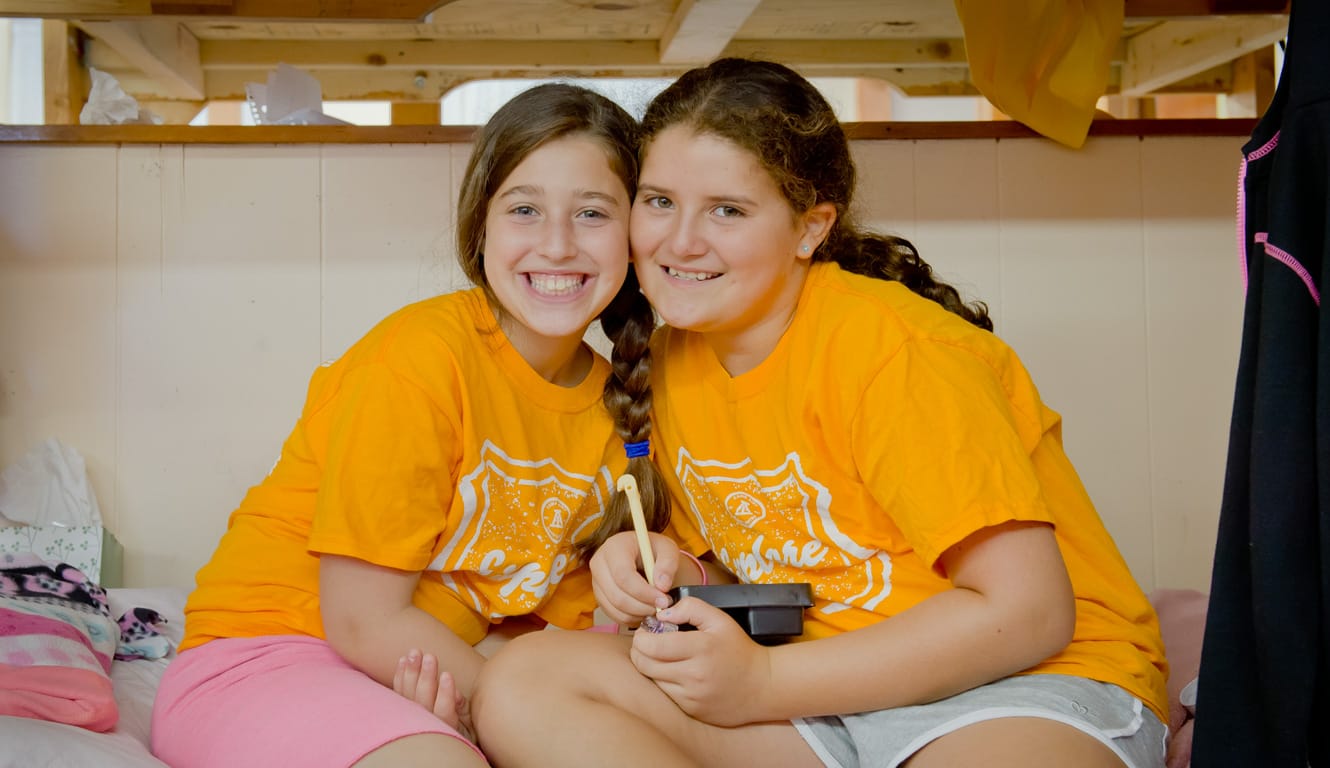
{"x":90,"y":548}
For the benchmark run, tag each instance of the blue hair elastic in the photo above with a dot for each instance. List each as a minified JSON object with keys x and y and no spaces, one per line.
{"x":640,"y":448}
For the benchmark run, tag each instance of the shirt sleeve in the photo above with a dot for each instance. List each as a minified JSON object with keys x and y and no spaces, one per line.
{"x":942,"y":449}
{"x":388,"y":476}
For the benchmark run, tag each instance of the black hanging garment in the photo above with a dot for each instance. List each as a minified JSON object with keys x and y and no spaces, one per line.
{"x":1263,"y":698}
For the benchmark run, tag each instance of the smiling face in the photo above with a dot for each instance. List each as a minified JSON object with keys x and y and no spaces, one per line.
{"x":717,"y":247}
{"x":556,"y":244}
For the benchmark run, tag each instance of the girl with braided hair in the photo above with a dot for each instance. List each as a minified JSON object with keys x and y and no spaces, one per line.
{"x":827,"y":411}
{"x":445,"y":483}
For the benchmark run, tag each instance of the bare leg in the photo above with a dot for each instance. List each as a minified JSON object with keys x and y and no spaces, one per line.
{"x":574,"y":699}
{"x":1016,"y":742}
{"x":425,"y":750}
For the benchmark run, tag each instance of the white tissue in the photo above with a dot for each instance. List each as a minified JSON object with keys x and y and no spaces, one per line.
{"x":108,"y":104}
{"x":49,"y":486}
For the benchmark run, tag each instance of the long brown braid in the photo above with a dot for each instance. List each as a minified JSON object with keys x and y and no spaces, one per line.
{"x":628,"y":322}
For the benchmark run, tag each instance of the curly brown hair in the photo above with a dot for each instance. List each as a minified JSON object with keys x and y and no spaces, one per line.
{"x":777,"y":115}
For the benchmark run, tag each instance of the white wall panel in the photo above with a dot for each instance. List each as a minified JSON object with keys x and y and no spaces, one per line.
{"x":1194,"y":315}
{"x":884,"y":200}
{"x":1074,"y":309}
{"x":220,"y":302}
{"x":58,"y":305}
{"x":956,"y":217}
{"x":387,"y":230}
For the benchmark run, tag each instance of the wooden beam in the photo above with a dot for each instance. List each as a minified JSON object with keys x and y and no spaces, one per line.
{"x":406,"y":85}
{"x":482,"y":55}
{"x":203,"y":7}
{"x":268,"y":10}
{"x":163,"y":50}
{"x":869,"y":55}
{"x":416,"y":112}
{"x":173,"y":112}
{"x":1218,"y":79}
{"x":344,"y":85}
{"x":333,"y":10}
{"x":74,"y":9}
{"x":955,"y":81}
{"x":1174,"y":50}
{"x":409,"y":85}
{"x":934,"y":81}
{"x":587,"y":57}
{"x":701,"y":29}
{"x":65,"y":81}
{"x":1162,"y":9}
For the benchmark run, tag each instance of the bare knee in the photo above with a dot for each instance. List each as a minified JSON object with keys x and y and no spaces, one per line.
{"x":502,"y":681}
{"x":524,"y":677}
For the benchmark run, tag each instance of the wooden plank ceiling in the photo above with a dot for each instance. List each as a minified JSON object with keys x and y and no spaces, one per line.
{"x":416,"y":50}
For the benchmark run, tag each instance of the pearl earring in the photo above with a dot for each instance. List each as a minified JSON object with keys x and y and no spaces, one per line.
{"x":804,"y":248}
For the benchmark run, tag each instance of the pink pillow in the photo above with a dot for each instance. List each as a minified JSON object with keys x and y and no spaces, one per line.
{"x":57,"y":639}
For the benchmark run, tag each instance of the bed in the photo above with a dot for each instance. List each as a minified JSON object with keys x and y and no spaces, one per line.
{"x":27,"y":742}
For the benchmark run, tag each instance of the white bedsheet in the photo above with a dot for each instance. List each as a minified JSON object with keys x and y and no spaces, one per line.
{"x":27,"y":743}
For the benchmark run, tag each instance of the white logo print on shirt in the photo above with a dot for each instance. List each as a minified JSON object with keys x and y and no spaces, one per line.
{"x":775,"y":526}
{"x":519,"y":520}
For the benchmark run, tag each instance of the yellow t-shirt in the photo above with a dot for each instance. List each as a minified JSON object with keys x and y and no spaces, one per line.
{"x":880,"y":432}
{"x":429,"y":446}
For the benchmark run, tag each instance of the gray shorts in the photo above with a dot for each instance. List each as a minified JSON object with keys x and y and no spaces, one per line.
{"x":888,"y":737}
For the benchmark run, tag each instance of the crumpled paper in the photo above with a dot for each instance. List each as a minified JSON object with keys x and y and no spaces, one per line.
{"x":290,"y":97}
{"x":108,"y":104}
{"x":48,"y":486}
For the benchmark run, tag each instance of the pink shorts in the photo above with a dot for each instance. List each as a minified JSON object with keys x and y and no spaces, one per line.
{"x":290,"y":701}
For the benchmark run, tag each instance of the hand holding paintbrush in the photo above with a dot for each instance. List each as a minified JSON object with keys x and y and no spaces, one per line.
{"x":628,"y":484}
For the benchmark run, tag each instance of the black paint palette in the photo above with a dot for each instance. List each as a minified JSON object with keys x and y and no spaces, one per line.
{"x":769,"y":613}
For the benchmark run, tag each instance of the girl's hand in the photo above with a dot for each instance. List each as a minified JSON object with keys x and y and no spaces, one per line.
{"x":418,"y":678}
{"x":616,"y":578}
{"x":716,"y":674}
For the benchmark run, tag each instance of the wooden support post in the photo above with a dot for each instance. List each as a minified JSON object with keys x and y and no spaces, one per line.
{"x":1130,"y":107}
{"x":415,"y":113}
{"x":5,"y":64}
{"x":64,"y":76}
{"x":1253,"y":83}
{"x":1181,"y":106}
{"x":227,"y":112}
{"x":700,"y":29}
{"x":985,"y":111}
{"x":874,"y":98}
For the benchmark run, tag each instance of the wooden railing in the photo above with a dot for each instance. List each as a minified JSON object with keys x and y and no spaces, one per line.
{"x":444,"y":134}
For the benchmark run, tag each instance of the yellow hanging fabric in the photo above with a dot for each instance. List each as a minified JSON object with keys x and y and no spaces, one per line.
{"x":1043,"y":62}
